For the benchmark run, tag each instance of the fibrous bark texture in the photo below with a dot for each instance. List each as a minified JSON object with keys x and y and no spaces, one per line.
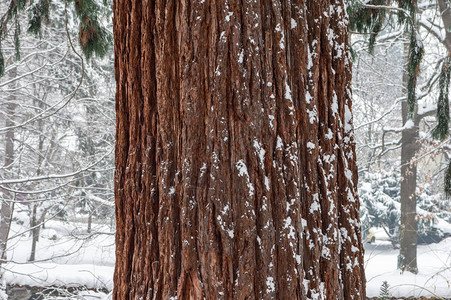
{"x":235,"y":162}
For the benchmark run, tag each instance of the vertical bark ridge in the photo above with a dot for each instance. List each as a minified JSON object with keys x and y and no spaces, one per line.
{"x":311,"y":209}
{"x":235,"y":176}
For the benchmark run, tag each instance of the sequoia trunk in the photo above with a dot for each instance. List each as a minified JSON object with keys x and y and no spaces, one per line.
{"x":235,"y":162}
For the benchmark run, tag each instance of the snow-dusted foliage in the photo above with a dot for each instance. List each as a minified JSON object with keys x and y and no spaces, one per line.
{"x":380,"y":207}
{"x":380,"y":201}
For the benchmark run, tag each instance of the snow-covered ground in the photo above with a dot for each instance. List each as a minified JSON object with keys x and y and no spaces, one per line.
{"x":434,"y":266}
{"x":65,"y":256}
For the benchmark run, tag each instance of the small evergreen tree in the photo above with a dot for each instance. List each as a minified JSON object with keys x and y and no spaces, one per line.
{"x":380,"y":202}
{"x":381,"y":207}
{"x":384,"y":293}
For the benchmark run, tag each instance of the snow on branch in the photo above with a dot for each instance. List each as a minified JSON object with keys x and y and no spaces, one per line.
{"x":53,"y":176}
{"x":408,"y":125}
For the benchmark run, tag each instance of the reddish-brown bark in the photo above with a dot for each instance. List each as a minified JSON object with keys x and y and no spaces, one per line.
{"x":235,"y":161}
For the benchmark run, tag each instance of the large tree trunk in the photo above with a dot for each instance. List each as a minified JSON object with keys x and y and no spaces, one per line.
{"x":235,"y":162}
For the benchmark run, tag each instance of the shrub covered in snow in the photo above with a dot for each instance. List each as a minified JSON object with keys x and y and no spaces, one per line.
{"x":381,"y":207}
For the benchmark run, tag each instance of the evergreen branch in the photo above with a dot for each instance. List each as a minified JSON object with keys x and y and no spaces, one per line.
{"x":93,"y":37}
{"x":441,"y":131}
{"x":431,"y":82}
{"x":447,"y":183}
{"x":416,"y":52}
{"x":445,"y":12}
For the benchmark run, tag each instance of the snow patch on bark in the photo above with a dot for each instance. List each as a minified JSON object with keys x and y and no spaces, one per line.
{"x":242,"y":172}
{"x":261,"y":153}
{"x":279,"y":143}
{"x":311,"y":146}
{"x":270,"y":284}
{"x":267,"y":183}
{"x":313,"y":115}
{"x":282,"y":38}
{"x":334,"y":104}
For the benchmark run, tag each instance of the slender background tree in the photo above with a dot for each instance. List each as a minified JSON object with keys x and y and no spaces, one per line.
{"x":405,"y":21}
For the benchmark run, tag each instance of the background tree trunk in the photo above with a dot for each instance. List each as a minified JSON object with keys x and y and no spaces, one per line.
{"x":35,"y":220}
{"x":235,"y":161}
{"x":409,"y":231}
{"x":408,"y":234}
{"x":34,"y":232}
{"x":7,"y":206}
{"x":409,"y":147}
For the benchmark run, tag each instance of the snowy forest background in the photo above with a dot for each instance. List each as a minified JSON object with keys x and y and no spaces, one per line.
{"x":57,"y":130}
